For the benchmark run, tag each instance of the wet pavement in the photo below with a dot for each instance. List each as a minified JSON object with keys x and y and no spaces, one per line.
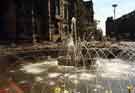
{"x":104,"y":76}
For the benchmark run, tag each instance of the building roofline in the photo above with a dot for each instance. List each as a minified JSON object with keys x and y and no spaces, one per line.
{"x":128,"y":15}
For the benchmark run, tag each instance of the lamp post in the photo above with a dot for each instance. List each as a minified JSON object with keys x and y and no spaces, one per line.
{"x":49,"y":13}
{"x":115,"y":25}
{"x":33,"y":24}
{"x":114,"y":11}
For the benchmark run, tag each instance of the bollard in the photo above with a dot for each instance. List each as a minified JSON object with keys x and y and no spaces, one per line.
{"x":129,"y":88}
{"x":57,"y":90}
{"x":65,"y":91}
{"x":108,"y":91}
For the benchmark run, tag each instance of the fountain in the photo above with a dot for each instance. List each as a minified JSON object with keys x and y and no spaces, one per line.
{"x":84,"y":69}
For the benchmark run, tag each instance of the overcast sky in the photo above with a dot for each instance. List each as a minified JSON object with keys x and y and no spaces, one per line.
{"x":103,"y":9}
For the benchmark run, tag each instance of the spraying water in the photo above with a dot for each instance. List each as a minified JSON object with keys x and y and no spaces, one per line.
{"x":90,"y":70}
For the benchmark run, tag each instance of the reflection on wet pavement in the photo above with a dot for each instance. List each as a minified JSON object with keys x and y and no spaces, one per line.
{"x":109,"y":76}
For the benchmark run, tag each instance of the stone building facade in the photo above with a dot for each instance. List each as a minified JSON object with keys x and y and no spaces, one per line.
{"x":36,"y":20}
{"x":87,"y":24}
{"x":122,"y":28}
{"x":21,"y":19}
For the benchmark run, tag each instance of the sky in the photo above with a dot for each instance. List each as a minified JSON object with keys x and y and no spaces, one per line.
{"x":103,"y":9}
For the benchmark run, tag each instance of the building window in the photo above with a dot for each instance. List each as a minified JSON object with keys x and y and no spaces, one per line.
{"x":57,"y":7}
{"x":66,"y":12}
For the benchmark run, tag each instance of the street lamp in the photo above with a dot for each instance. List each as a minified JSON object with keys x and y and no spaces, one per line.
{"x":49,"y":12}
{"x":115,"y":25}
{"x":114,"y":6}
